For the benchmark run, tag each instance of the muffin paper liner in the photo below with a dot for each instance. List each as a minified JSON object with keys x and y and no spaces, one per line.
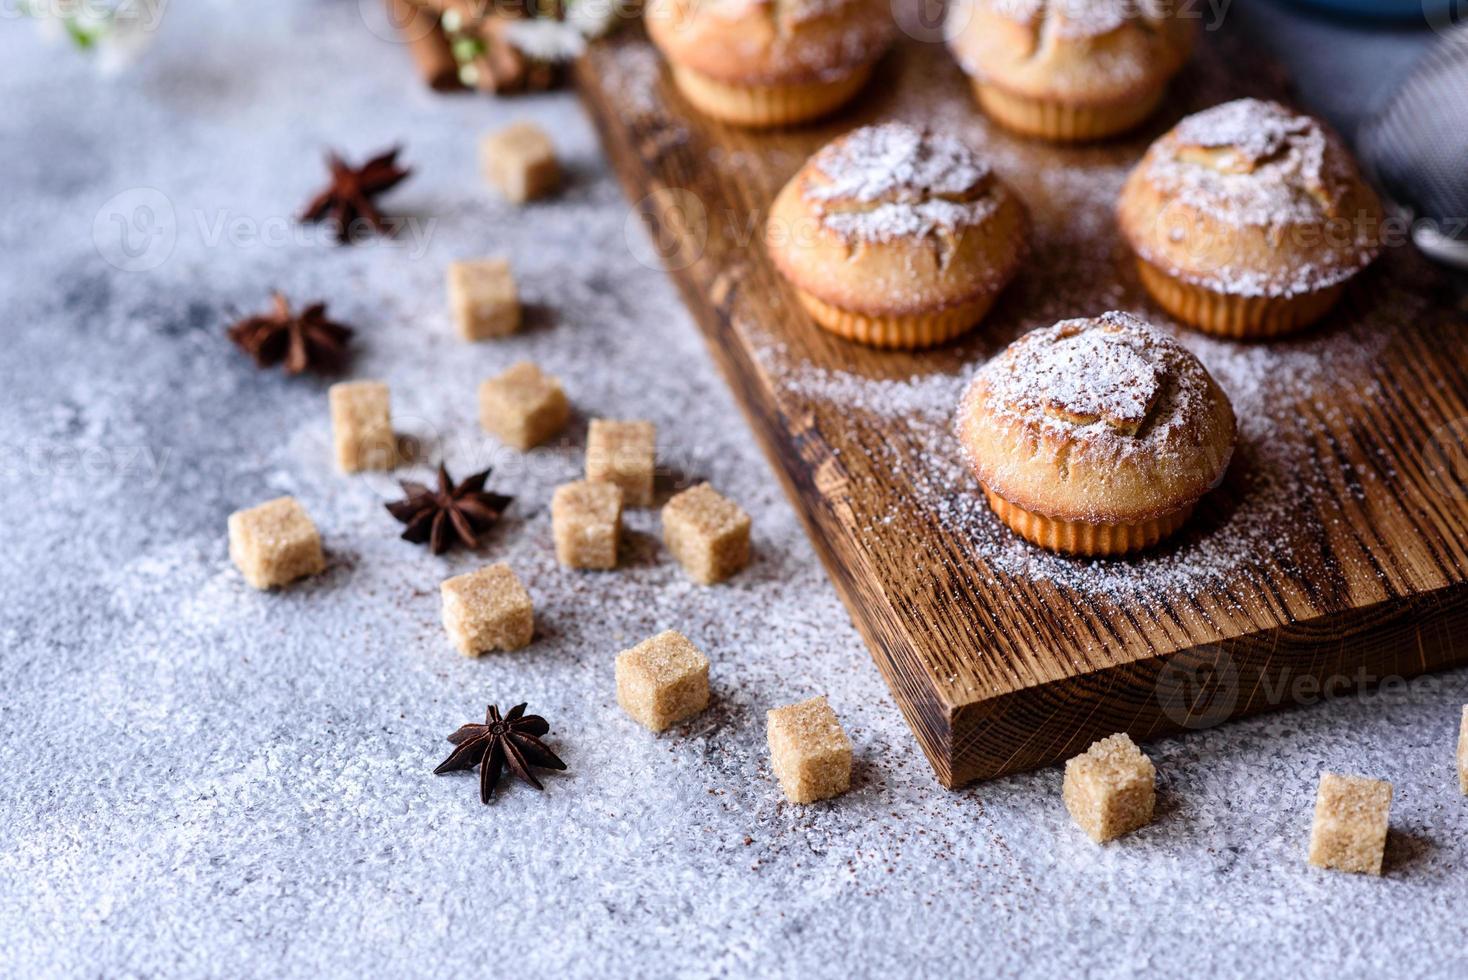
{"x":766,"y":105}
{"x":1082,"y":538}
{"x":1236,"y":317}
{"x":904,"y":332}
{"x":1061,"y":121}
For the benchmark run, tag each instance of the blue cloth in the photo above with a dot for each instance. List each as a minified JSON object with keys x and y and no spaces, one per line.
{"x":1344,"y":69}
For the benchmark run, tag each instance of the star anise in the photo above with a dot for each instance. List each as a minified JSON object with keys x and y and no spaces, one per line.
{"x":453,"y":512}
{"x":512,"y":741}
{"x":299,"y":341}
{"x":349,"y":198}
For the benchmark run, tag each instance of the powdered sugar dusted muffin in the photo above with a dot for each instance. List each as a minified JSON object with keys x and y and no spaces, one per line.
{"x":1248,"y":218}
{"x":769,"y":62}
{"x":896,"y":237}
{"x":1070,"y":69}
{"x":1096,"y":436}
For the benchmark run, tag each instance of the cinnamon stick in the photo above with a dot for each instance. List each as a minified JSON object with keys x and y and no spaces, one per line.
{"x":427,"y":44}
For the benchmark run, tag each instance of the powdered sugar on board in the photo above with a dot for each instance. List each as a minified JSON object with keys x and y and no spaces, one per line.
{"x":1078,"y":268}
{"x":1256,"y":514}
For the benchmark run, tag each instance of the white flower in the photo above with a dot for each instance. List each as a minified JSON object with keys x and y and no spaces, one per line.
{"x":116,"y":31}
{"x":592,"y":18}
{"x":546,"y":40}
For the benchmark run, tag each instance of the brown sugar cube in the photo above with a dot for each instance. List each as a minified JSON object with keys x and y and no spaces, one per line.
{"x":483,"y":298}
{"x":1463,"y":753}
{"x":274,"y":543}
{"x":361,"y":426}
{"x":1111,"y":788}
{"x":523,"y":407}
{"x":809,"y":750}
{"x":623,"y":453}
{"x":587,"y":521}
{"x":487,"y":610}
{"x":1349,"y":833}
{"x":662,"y":681}
{"x":521,"y":161}
{"x":707,"y":533}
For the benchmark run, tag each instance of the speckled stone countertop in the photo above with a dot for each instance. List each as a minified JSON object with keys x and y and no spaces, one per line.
{"x":200,"y":779}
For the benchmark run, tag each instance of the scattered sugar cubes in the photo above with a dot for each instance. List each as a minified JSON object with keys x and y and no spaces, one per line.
{"x":523,"y":407}
{"x":809,"y":750}
{"x":662,"y":681}
{"x":1463,"y":753}
{"x":1111,"y":788}
{"x":707,"y":533}
{"x":487,"y":610}
{"x":586,"y":519}
{"x":520,"y":160}
{"x":483,"y":298}
{"x":361,"y":426}
{"x":274,"y":543}
{"x":1351,"y":814}
{"x":623,"y":453}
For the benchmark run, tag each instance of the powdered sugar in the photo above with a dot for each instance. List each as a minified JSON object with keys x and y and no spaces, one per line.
{"x":1282,"y":393}
{"x":1255,"y":520}
{"x":1255,"y":130}
{"x":791,"y":11}
{"x":887,"y":181}
{"x":896,"y":162}
{"x":1251,"y":162}
{"x":1071,"y":18}
{"x":1104,"y":374}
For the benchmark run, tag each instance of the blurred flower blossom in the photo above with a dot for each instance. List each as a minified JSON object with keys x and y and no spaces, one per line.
{"x":114,"y":32}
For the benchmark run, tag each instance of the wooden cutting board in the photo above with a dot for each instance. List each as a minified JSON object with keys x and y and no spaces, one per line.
{"x":1335,"y":555}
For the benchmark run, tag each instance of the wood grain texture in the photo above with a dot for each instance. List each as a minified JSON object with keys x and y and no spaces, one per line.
{"x":1334,"y":556}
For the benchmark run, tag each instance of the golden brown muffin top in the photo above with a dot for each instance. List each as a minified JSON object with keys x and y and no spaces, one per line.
{"x":1250,"y":197}
{"x":890,"y":181}
{"x":1103,"y":419}
{"x":1076,"y":51}
{"x":768,"y":42}
{"x":892,"y":220}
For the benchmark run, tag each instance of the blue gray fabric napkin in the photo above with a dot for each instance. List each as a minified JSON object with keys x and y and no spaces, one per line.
{"x":1416,"y":148}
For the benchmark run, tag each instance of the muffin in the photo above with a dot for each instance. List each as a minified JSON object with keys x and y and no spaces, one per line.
{"x":769,"y":62}
{"x":895,"y":237}
{"x":1077,"y":70}
{"x":1096,"y":437}
{"x":1247,"y":220}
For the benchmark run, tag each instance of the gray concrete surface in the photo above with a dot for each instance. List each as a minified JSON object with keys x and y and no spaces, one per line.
{"x":197,"y":779}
